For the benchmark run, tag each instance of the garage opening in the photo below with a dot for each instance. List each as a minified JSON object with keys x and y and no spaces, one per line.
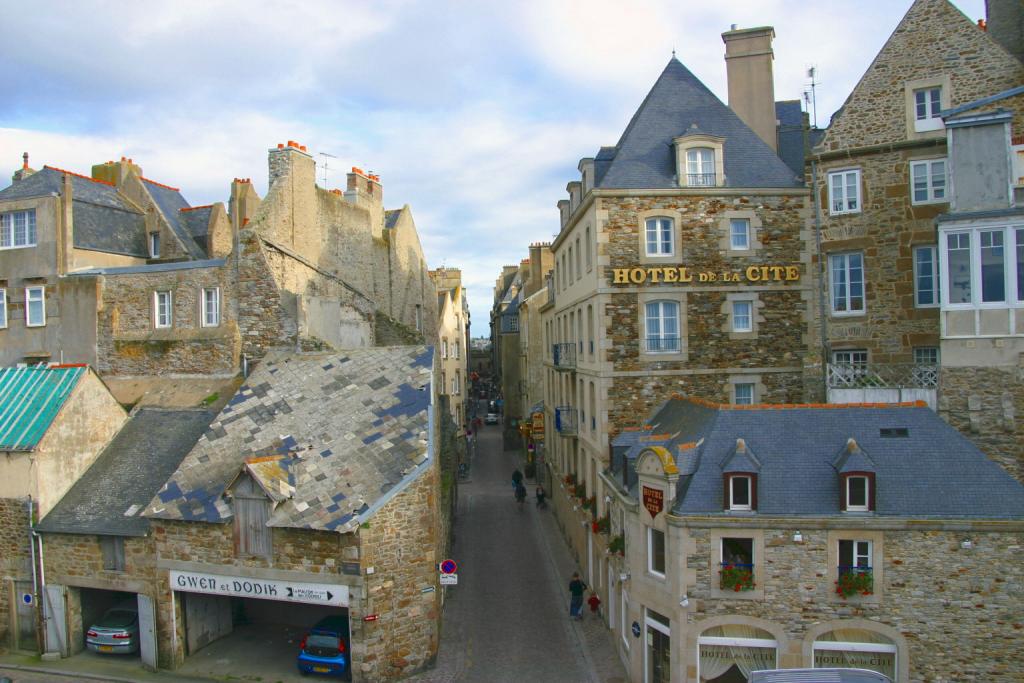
{"x":108,"y":622}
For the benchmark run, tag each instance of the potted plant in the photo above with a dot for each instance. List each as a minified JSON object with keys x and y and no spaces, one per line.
{"x":855,"y":582}
{"x":601,"y":525}
{"x":736,"y":578}
{"x":617,"y":545}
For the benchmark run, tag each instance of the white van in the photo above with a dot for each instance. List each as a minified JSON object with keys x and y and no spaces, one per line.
{"x":818,"y":676}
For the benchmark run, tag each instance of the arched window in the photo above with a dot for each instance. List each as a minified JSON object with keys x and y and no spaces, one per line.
{"x":855,"y":648}
{"x":731,"y":649}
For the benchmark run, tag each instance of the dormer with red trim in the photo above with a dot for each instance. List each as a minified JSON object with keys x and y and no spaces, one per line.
{"x":856,"y":473}
{"x":739,"y":479}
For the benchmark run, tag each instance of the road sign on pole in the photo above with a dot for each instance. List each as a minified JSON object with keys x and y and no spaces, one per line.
{"x":449,"y":567}
{"x":449,"y":579}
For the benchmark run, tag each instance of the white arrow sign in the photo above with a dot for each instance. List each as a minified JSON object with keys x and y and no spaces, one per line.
{"x":264,"y":589}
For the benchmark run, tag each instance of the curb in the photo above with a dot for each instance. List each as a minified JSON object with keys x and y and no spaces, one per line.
{"x":59,"y":672}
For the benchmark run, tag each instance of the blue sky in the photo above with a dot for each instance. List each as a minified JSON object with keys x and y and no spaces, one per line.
{"x":473,"y":113}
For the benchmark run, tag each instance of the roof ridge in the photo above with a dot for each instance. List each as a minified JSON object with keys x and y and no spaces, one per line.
{"x":193,"y":208}
{"x":153,"y":182}
{"x":79,"y":175}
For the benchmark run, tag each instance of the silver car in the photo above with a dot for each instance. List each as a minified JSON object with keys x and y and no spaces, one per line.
{"x":117,"y":631}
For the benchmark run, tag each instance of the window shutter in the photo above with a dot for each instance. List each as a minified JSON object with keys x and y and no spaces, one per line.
{"x":725,"y":491}
{"x":753,"y":491}
{"x":842,"y":492}
{"x":871,"y":490}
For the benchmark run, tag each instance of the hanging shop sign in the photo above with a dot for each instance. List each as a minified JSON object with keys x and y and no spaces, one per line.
{"x":656,"y":275}
{"x":265,"y":589}
{"x":654,"y":500}
{"x":538,"y":426}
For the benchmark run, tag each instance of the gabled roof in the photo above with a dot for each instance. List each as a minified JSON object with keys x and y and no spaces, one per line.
{"x":170,"y":203}
{"x":923,"y":467}
{"x":391,"y":217}
{"x":110,"y":496}
{"x":196,"y":222}
{"x":30,"y":398}
{"x":644,"y":157}
{"x":347,"y":430}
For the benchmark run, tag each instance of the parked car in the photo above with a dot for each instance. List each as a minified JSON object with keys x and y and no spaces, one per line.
{"x":491,"y":419}
{"x":324,"y":650}
{"x":818,"y":676}
{"x":117,"y":631}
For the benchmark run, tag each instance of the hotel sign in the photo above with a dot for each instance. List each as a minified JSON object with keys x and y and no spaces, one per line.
{"x":656,"y":275}
{"x":654,"y":500}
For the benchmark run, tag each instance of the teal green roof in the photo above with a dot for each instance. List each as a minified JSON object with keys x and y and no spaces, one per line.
{"x":30,"y":398}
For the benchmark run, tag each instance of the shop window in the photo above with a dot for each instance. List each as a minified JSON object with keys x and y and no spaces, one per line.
{"x":658,"y":653}
{"x":846,"y":282}
{"x":18,"y":229}
{"x":844,"y":192}
{"x":926,"y":277}
{"x":112,"y":549}
{"x":854,"y":648}
{"x":35,"y":306}
{"x":656,"y":552}
{"x":731,"y":651}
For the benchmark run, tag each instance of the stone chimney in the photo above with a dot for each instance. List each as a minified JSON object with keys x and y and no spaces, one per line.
{"x":542,"y":260}
{"x":563,"y":211}
{"x":365,"y":190}
{"x":114,"y":172}
{"x":24,"y":171}
{"x":1005,"y":23}
{"x":748,"y":63}
{"x":243,"y":203}
{"x":291,"y":160}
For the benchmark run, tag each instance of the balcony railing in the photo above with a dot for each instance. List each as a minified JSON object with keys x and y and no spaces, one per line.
{"x":705,"y":179}
{"x":564,"y":356}
{"x":565,"y":420}
{"x":662,"y":344}
{"x":736,"y":577}
{"x":890,"y":375}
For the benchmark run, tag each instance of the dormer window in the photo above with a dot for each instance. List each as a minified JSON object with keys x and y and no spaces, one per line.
{"x":741,"y":492}
{"x":699,"y":159}
{"x":700,"y":167}
{"x":858,"y":492}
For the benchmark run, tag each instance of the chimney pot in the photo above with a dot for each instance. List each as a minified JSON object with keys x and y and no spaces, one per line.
{"x":302,"y":147}
{"x":732,"y":27}
{"x":24,"y":160}
{"x":280,"y":145}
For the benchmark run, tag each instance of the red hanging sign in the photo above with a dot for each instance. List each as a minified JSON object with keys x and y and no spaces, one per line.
{"x":654,"y":500}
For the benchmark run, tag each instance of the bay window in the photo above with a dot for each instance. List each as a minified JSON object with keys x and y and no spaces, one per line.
{"x":983,"y":266}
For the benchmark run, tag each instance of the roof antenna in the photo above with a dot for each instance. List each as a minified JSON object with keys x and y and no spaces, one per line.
{"x":673,"y":52}
{"x":330,"y":156}
{"x":810,"y":97}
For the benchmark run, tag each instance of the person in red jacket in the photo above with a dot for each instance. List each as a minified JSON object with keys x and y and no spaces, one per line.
{"x":594,"y":602}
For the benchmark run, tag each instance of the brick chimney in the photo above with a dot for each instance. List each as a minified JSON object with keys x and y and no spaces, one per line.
{"x":748,"y":63}
{"x":114,"y":172}
{"x":24,"y":171}
{"x":1005,"y":23}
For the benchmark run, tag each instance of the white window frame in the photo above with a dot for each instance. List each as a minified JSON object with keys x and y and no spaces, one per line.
{"x":444,"y":348}
{"x":932,"y":106}
{"x":3,"y":308}
{"x":741,"y":507}
{"x":736,"y":393}
{"x":31,"y":294}
{"x":650,"y":552}
{"x":933,"y":194}
{"x":154,"y":245}
{"x":737,"y":317}
{"x":455,"y":349}
{"x":158,"y":321}
{"x":1012,"y":241}
{"x":858,"y":545}
{"x":932,"y":251}
{"x":9,"y":233}
{"x":744,"y":245}
{"x":624,"y":616}
{"x":205,"y":320}
{"x":700,"y":167}
{"x":850,"y":507}
{"x":661,"y":336}
{"x":844,"y":258}
{"x":662,"y":247}
{"x":844,"y":187}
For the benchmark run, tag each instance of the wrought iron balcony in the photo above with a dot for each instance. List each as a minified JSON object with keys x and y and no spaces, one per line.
{"x":700,"y":179}
{"x":564,"y":356}
{"x":565,"y":420}
{"x":883,"y":376}
{"x":662,"y":344}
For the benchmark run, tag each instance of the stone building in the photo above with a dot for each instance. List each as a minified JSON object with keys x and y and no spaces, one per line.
{"x":881,"y":179}
{"x":453,"y":341}
{"x":762,"y":537}
{"x":680,"y":266}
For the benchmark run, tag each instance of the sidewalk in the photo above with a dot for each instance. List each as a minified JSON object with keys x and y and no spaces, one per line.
{"x":78,"y":668}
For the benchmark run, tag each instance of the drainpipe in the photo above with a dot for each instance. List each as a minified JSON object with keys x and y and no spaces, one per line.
{"x":822,"y":322}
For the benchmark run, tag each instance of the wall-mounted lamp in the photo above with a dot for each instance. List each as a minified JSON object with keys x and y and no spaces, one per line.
{"x":623,"y":577}
{"x":607,"y":499}
{"x":684,"y":601}
{"x":798,"y":537}
{"x":967,"y":544}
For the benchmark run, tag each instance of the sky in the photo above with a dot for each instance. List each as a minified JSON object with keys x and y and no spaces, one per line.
{"x":473,"y":112}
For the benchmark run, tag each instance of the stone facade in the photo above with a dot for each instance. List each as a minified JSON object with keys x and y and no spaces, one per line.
{"x":15,"y":559}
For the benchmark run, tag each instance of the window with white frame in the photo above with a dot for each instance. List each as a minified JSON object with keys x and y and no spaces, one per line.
{"x":659,"y":236}
{"x":928,"y":181}
{"x":958,"y":268}
{"x":154,"y":245}
{"x":846,"y":280}
{"x":993,"y":266}
{"x":742,"y":316}
{"x":3,"y":308}
{"x":444,"y":348}
{"x":983,"y":266}
{"x":455,"y":350}
{"x":211,"y":306}
{"x":655,"y":551}
{"x":455,"y":386}
{"x":743,"y":393}
{"x":18,"y":229}
{"x":857,"y":493}
{"x":700,"y":166}
{"x":927,"y":105}
{"x":926,"y":277}
{"x":849,"y":365}
{"x":458,"y":383}
{"x":162,"y":309}
{"x":854,"y":556}
{"x":740,"y":492}
{"x":739,"y":234}
{"x":661,"y":327}
{"x":844,"y":192}
{"x":35,"y":306}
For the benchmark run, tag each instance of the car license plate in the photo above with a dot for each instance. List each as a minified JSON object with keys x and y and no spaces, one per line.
{"x":106,"y":648}
{"x":322,"y":669}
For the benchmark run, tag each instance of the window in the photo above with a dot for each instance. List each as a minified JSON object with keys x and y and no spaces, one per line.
{"x":740,"y":491}
{"x":741,"y":316}
{"x":926,"y":277}
{"x":659,"y":237}
{"x":162,"y":309}
{"x":112,"y":548}
{"x":211,"y":306}
{"x":1019,"y":232}
{"x":154,"y":245}
{"x":513,"y":323}
{"x":3,"y":308}
{"x":844,"y":192}
{"x":927,"y":105}
{"x":846,"y":276}
{"x":700,"y":166}
{"x":993,"y":266}
{"x":579,"y":259}
{"x":958,"y":267}
{"x":455,"y":350}
{"x":857,"y":494}
{"x":926,"y":355}
{"x":928,"y":181}
{"x":854,"y":556}
{"x":744,"y":393}
{"x":418,"y":319}
{"x":455,"y":386}
{"x":590,"y":250}
{"x":656,"y":551}
{"x":18,"y":229}
{"x":662,"y":327}
{"x":569,"y":272}
{"x":444,"y":348}
{"x":739,"y":233}
{"x":736,"y":572}
{"x":35,"y":306}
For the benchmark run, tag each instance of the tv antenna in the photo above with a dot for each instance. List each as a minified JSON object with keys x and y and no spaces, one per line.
{"x":326,"y":156}
{"x":810,"y":96}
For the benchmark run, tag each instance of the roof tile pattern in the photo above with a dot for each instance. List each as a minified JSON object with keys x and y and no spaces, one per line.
{"x":339,"y":430}
{"x":30,"y":399}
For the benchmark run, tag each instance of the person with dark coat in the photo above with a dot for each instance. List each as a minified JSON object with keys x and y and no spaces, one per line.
{"x":576,"y":588}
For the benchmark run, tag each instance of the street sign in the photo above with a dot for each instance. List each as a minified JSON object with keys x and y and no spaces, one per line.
{"x":449,"y":567}
{"x":265,"y":589}
{"x":26,"y":598}
{"x":636,"y":629}
{"x":449,"y":579}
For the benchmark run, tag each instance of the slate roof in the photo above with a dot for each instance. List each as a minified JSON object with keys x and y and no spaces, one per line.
{"x":790,"y":135}
{"x":30,"y":398}
{"x":346,"y":430}
{"x":391,"y":218}
{"x":932,"y":472}
{"x":644,"y":157}
{"x":108,"y":498}
{"x":170,"y":203}
{"x":152,"y":267}
{"x":196,"y":222}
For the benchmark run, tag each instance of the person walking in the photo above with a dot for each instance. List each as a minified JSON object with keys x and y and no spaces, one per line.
{"x":520,"y":494}
{"x":541,"y":497}
{"x":576,"y":589}
{"x":517,"y":479}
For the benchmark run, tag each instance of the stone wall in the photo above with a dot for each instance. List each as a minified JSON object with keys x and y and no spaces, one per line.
{"x":15,"y":556}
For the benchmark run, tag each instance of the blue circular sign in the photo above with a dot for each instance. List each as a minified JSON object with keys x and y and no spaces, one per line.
{"x":636,"y":629}
{"x":449,"y":567}
{"x":26,"y":598}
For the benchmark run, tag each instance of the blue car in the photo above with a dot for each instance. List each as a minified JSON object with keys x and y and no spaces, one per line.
{"x":324,"y":650}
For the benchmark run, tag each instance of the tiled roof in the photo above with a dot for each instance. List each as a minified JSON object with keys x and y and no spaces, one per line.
{"x":108,"y":498}
{"x":170,"y":202}
{"x":30,"y":399}
{"x":333,"y":436}
{"x":928,"y":471}
{"x":644,"y":157}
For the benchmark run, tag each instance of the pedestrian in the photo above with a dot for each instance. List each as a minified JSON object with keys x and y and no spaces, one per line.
{"x":520,"y":495}
{"x":576,"y":588}
{"x":594,"y":602}
{"x":541,"y":497}
{"x":517,"y":479}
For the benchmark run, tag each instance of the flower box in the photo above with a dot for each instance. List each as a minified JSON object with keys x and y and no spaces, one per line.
{"x":736,"y":577}
{"x":617,"y":544}
{"x":855,"y":582}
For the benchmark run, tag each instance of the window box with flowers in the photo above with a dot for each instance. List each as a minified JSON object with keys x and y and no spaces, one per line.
{"x":617,"y":545}
{"x":602,"y":525}
{"x":855,"y":581}
{"x":736,"y":577}
{"x":588,"y":503}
